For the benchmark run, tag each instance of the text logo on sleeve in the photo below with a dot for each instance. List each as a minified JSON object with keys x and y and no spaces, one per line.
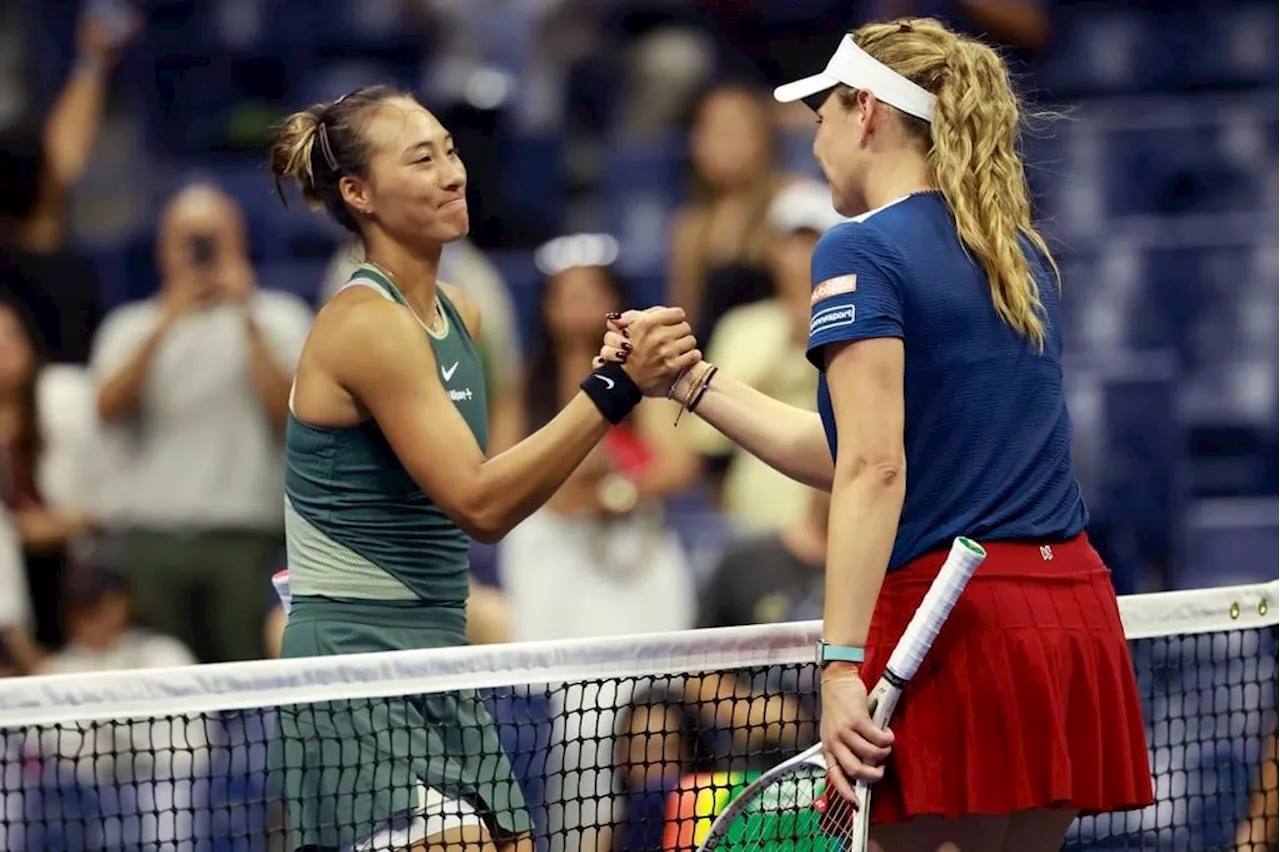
{"x":834,"y":287}
{"x":831,"y":318}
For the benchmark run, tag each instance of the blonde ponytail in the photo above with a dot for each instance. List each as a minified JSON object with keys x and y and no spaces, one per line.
{"x":973,"y":146}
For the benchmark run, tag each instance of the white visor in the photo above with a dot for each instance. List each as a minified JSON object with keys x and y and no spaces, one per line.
{"x":855,"y":68}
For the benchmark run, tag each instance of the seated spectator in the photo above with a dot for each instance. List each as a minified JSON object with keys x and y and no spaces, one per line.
{"x":102,"y":633}
{"x":143,"y":766}
{"x":194,"y":383}
{"x":44,"y":531}
{"x":718,"y":239}
{"x":763,"y":344}
{"x":774,"y":577}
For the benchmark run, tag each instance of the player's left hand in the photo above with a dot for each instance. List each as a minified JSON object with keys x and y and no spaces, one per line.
{"x":854,"y":748}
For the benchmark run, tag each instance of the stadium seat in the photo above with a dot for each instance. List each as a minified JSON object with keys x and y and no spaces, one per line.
{"x":1230,"y":541}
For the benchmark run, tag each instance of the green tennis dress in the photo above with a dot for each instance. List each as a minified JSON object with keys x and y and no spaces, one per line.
{"x":375,"y":565}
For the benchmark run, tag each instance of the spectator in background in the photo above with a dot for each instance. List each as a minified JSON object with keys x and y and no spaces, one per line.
{"x":718,"y":239}
{"x":143,"y":766}
{"x":774,"y":577}
{"x":39,"y":162}
{"x":1260,"y":830}
{"x":764,"y":344}
{"x":599,"y":558}
{"x":499,"y":344}
{"x":194,"y":383}
{"x":19,"y":653}
{"x":43,"y":531}
{"x":102,"y":634}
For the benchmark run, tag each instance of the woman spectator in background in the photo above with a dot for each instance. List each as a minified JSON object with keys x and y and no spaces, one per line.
{"x":603,"y":534}
{"x":43,"y":531}
{"x":598,"y":559}
{"x":718,"y":240}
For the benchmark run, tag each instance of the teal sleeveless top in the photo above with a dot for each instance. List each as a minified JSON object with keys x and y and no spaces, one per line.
{"x":358,"y":529}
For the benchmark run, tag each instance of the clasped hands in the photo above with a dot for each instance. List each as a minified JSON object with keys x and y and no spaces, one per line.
{"x":656,"y":347}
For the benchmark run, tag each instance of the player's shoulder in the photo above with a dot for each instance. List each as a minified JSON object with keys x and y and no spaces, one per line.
{"x":363,"y":320}
{"x":854,"y":241}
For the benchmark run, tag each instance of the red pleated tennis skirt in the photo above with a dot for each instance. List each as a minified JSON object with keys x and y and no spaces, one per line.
{"x":1027,"y":698}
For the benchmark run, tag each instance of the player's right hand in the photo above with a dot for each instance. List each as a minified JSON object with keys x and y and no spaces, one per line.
{"x":854,"y":748}
{"x":653,"y":346}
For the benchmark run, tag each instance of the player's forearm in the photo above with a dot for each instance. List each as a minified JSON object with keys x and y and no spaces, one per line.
{"x":788,"y":439}
{"x":866,"y":502}
{"x":514,"y":483}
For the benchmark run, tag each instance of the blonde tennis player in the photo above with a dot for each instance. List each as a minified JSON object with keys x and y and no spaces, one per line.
{"x":935,"y":328}
{"x":386,"y":478}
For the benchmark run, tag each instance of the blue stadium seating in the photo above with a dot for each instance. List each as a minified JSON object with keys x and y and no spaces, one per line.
{"x":1231,"y":540}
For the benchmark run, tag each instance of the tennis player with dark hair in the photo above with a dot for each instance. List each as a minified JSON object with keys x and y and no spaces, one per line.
{"x":386,"y":479}
{"x":935,"y":326}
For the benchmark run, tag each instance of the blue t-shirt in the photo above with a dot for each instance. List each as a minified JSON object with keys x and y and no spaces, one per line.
{"x":987,"y":430}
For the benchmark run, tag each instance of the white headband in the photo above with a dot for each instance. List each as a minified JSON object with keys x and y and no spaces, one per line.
{"x":857,"y":69}
{"x":576,"y":250}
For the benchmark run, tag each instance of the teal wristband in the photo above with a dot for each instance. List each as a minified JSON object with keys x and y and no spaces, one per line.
{"x":828,"y":653}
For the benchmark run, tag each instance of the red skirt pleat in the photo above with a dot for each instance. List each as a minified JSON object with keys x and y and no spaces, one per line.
{"x":1027,"y":698}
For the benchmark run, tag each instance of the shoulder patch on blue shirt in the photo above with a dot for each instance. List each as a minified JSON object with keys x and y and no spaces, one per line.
{"x":834,"y":287}
{"x":831,"y":318}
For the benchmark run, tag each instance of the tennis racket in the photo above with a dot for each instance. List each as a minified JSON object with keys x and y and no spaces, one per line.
{"x":787,"y":806}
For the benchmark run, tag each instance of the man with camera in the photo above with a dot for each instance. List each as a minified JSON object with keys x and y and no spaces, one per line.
{"x":193,"y":390}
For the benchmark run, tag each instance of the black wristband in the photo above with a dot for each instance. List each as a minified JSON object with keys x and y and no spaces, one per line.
{"x":612,"y":391}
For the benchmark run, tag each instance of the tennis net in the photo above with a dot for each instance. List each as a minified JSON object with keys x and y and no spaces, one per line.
{"x":628,"y":743}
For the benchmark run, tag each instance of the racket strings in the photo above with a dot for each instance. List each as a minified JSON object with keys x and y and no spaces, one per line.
{"x":795,"y":814}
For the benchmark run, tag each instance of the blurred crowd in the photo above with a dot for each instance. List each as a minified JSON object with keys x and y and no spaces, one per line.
{"x":143,"y":390}
{"x":142,"y":471}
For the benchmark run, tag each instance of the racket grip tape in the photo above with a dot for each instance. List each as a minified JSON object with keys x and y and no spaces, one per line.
{"x":961,"y":562}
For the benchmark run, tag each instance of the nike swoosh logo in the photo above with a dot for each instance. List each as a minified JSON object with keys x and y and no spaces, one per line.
{"x":608,"y":382}
{"x":448,"y":374}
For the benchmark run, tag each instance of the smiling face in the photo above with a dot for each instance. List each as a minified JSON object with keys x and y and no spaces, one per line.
{"x":414,"y":185}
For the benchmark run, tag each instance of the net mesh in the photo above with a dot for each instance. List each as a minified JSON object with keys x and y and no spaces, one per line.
{"x":625,"y":743}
